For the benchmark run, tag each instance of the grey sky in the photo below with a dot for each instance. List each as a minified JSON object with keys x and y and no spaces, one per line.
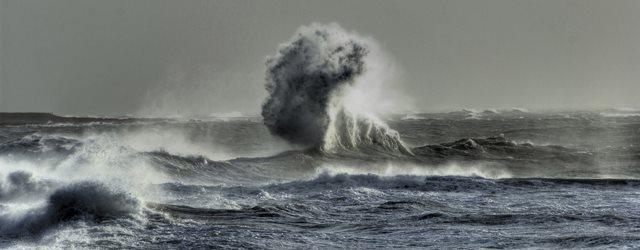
{"x":126,"y":57}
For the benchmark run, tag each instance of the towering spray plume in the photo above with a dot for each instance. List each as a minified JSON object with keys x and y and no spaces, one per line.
{"x":307,"y":83}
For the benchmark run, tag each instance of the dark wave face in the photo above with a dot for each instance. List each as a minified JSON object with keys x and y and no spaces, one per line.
{"x":88,"y":201}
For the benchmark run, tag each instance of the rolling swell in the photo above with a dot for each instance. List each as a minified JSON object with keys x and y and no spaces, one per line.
{"x":493,"y":154}
{"x":240,"y":171}
{"x":492,"y":157}
{"x":449,"y":183}
{"x":520,"y":159}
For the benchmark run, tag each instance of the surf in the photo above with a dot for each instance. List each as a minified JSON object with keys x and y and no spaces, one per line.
{"x":310,"y":83}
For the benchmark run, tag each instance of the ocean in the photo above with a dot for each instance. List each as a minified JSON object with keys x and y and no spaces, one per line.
{"x":464,"y":179}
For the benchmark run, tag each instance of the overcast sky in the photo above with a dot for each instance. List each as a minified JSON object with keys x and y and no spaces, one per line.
{"x":117,"y":57}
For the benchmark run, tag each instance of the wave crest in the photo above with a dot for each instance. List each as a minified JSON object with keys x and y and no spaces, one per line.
{"x":307,"y":82}
{"x":83,"y":200}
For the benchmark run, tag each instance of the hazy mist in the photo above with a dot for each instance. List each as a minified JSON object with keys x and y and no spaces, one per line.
{"x":152,"y":57}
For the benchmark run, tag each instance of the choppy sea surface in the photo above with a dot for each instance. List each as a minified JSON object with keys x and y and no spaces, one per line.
{"x":473,"y":179}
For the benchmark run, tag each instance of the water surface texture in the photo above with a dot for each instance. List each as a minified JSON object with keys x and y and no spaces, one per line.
{"x":472,"y":179}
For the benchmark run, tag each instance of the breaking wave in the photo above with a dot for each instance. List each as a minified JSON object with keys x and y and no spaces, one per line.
{"x":21,"y":185}
{"x":308,"y":81}
{"x":90,"y":201}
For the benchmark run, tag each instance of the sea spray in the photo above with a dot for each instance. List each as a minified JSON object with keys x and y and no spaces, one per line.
{"x":308,"y":80}
{"x":84,"y":200}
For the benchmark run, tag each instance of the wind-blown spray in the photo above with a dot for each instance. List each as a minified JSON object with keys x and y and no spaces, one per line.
{"x":308,"y":81}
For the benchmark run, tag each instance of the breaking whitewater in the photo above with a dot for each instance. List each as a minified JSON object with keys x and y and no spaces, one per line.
{"x":316,"y":169}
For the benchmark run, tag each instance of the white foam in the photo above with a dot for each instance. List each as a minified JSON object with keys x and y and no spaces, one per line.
{"x":395,"y":169}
